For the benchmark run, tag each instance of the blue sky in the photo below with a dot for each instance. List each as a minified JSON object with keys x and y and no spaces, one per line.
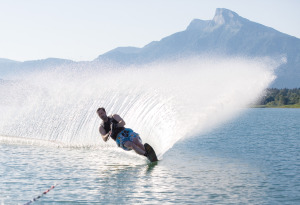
{"x":84,"y":29}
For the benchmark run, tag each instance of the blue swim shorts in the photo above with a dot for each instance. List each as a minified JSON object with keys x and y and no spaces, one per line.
{"x":126,"y":135}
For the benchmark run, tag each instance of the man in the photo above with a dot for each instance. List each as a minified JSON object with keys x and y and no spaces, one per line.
{"x":113,"y":127}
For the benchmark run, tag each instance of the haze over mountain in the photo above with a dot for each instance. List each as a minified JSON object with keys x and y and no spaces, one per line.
{"x":226,"y":34}
{"x":8,"y":66}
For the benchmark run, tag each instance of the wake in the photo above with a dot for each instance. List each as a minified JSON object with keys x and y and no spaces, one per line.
{"x":163,"y":102}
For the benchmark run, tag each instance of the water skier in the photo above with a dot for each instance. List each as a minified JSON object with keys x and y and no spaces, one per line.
{"x":113,"y":127}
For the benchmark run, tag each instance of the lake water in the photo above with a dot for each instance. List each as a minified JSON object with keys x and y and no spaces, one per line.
{"x":254,"y":159}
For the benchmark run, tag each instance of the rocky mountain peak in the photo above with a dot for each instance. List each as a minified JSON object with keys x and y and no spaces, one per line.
{"x":223,"y":16}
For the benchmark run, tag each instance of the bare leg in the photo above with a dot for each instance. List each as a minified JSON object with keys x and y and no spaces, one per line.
{"x":138,"y":143}
{"x":136,"y":148}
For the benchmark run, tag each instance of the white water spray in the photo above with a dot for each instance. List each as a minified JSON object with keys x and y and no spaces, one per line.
{"x":163,"y":102}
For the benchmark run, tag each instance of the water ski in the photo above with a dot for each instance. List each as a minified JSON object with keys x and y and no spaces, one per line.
{"x":151,"y":153}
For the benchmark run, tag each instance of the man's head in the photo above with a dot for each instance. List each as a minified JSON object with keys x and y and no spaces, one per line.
{"x":102,"y":113}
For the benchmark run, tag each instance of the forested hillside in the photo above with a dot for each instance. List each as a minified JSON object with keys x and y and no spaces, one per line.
{"x":281,"y":97}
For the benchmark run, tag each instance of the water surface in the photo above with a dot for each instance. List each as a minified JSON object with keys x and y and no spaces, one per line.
{"x":253,"y":159}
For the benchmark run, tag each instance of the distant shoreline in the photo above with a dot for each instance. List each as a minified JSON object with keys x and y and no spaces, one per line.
{"x":281,"y":106}
{"x":280,"y":98}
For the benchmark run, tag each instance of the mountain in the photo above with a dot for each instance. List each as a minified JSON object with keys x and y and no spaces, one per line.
{"x":227,"y":33}
{"x":10,"y":67}
{"x":4,"y":60}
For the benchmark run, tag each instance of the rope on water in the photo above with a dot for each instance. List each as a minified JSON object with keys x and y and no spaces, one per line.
{"x":39,"y":196}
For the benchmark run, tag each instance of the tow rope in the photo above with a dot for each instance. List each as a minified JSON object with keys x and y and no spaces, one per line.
{"x":39,"y":196}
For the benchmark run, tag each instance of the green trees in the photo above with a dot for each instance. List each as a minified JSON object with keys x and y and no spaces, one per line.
{"x":280,"y":97}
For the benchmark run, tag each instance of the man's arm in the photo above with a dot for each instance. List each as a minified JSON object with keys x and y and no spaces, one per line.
{"x":103,"y":133}
{"x":121,"y":122}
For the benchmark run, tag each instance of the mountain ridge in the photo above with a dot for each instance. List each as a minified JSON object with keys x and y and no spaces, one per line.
{"x":226,"y":34}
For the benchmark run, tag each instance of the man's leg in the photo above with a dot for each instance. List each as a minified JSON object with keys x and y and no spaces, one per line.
{"x":137,"y":141}
{"x":136,"y":148}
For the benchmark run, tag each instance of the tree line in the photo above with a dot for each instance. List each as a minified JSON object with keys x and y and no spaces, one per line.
{"x":281,"y":97}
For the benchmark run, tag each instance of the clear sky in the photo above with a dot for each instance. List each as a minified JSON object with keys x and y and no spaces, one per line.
{"x":83,"y":29}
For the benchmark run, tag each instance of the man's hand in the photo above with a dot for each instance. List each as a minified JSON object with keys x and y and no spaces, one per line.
{"x":105,"y":136}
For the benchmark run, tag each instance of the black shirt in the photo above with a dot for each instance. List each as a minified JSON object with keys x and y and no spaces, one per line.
{"x":107,"y":127}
